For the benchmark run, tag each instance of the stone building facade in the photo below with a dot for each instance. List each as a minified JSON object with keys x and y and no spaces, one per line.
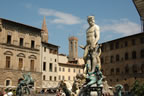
{"x":49,"y":65}
{"x":24,"y":49}
{"x":20,"y":52}
{"x":68,"y":70}
{"x":123,"y":60}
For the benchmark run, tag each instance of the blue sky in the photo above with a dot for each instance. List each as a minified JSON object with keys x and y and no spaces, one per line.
{"x":65,"y":18}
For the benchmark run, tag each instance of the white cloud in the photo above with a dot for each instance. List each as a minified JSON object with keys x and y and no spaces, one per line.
{"x":60,"y":17}
{"x":123,"y":26}
{"x":28,"y":5}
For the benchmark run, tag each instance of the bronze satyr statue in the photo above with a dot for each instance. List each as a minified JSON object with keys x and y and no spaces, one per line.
{"x":24,"y":84}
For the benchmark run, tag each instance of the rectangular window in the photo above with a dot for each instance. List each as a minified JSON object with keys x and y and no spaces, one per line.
{"x":126,"y":43}
{"x":63,"y":69}
{"x":54,"y":78}
{"x":50,"y":78}
{"x":74,"y":70}
{"x":44,"y":49}
{"x":79,"y":71}
{"x":50,"y":67}
{"x":55,"y":69}
{"x":59,"y":68}
{"x":7,"y":82}
{"x":63,"y":78}
{"x":69,"y":70}
{"x":32,"y":44}
{"x":20,"y":63}
{"x":7,"y":62}
{"x":73,"y":78}
{"x":142,"y":53}
{"x":133,"y":42}
{"x":106,"y":59}
{"x":111,"y":46}
{"x":69,"y":78}
{"x":32,"y":65}
{"x":117,"y":45}
{"x":21,"y":42}
{"x":44,"y":66}
{"x":142,"y":40}
{"x":51,"y":51}
{"x":9,"y":39}
{"x":59,"y":77}
{"x":44,"y":77}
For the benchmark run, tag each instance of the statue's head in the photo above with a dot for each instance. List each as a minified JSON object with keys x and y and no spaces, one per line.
{"x":91,"y":20}
{"x":119,"y":87}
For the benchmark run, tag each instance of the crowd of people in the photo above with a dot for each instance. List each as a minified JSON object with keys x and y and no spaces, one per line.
{"x":60,"y":92}
{"x":7,"y":92}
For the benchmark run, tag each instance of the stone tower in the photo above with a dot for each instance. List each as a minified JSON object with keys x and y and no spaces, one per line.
{"x":73,"y":48}
{"x":44,"y":31}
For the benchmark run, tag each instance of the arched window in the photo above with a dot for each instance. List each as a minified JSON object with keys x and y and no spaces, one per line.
{"x":142,"y":68}
{"x":142,"y":53}
{"x":126,"y":56}
{"x":44,"y":77}
{"x":8,"y":82}
{"x":50,"y":78}
{"x":112,"y":59}
{"x":117,"y":71}
{"x":134,"y":68}
{"x":21,"y":55}
{"x":112,"y":71}
{"x":126,"y":69}
{"x":133,"y":54}
{"x":117,"y":57}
